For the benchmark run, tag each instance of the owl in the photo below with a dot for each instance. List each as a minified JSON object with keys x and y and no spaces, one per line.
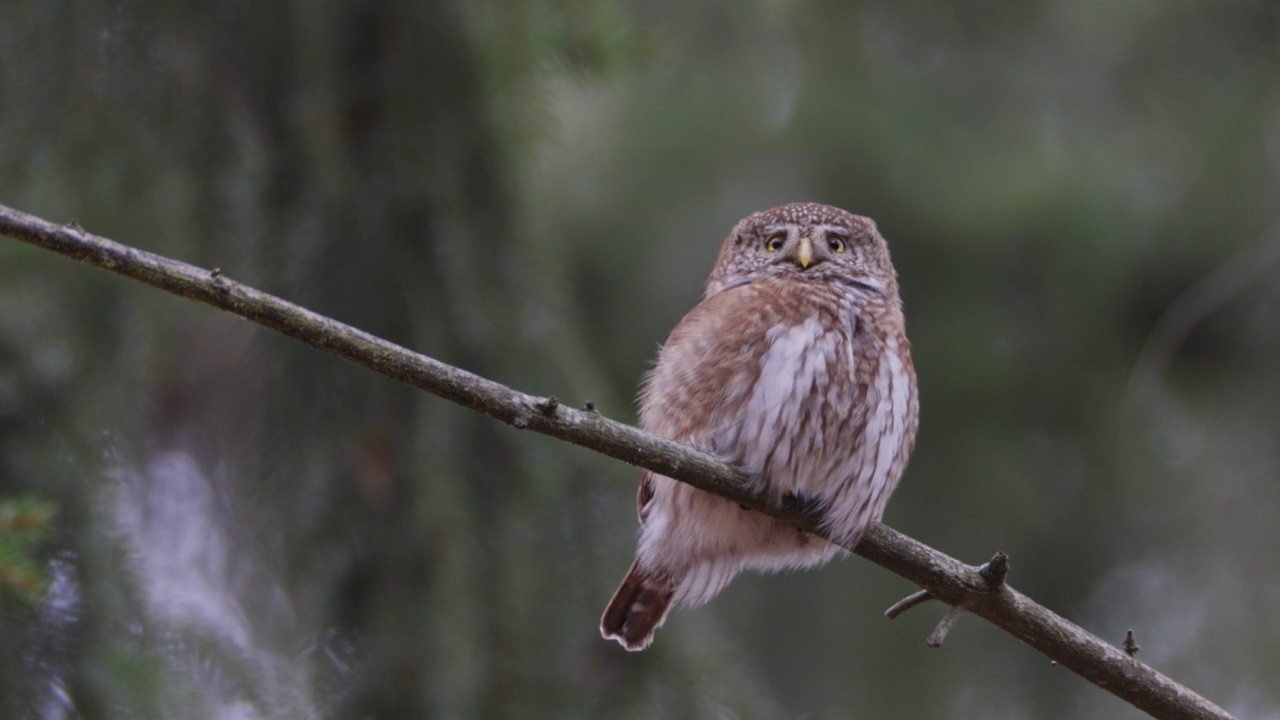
{"x":795,"y":369}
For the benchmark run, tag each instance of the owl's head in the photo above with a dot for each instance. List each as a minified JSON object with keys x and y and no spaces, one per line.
{"x":807,"y":241}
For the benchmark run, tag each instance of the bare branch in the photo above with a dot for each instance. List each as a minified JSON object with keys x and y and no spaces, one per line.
{"x":980,"y":591}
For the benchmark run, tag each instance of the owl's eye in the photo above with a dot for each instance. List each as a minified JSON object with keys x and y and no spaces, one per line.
{"x":775,"y":242}
{"x":836,"y":243}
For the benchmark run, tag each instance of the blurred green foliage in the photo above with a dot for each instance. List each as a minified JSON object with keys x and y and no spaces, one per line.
{"x":1081,"y":203}
{"x":25,"y":523}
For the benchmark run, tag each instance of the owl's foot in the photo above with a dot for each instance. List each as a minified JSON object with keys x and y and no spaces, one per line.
{"x":797,"y":501}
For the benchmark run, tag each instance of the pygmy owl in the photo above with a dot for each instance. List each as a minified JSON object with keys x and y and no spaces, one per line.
{"x":795,"y":368}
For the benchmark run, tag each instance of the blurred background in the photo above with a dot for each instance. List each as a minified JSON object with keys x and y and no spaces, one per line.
{"x":202,"y":519}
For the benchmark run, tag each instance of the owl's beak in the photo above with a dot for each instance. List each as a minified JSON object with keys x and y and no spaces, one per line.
{"x":805,"y":254}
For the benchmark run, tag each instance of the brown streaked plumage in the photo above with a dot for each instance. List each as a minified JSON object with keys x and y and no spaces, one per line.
{"x":796,"y":369}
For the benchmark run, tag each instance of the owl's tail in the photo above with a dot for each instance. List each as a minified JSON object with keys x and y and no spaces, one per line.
{"x":637,"y":609}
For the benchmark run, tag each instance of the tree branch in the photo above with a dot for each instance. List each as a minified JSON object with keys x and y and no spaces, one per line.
{"x":964,"y":587}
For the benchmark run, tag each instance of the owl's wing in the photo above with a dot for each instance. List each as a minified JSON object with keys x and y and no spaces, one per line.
{"x":699,"y":391}
{"x":643,"y":496}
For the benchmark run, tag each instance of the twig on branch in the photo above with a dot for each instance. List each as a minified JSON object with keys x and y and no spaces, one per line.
{"x":992,"y":573}
{"x":944,"y":626}
{"x":995,"y":570}
{"x":1130,"y":644}
{"x":916,"y":598}
{"x":962,"y":586}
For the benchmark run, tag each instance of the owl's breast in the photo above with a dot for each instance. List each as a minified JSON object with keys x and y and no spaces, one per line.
{"x":793,"y":385}
{"x":798,"y":403}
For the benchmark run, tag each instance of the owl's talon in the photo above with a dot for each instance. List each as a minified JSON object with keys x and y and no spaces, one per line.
{"x":797,"y":501}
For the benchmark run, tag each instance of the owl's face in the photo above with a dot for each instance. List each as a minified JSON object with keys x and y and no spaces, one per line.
{"x":806,"y":241}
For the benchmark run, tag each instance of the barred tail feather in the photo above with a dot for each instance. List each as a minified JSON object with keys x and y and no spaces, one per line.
{"x":637,"y":609}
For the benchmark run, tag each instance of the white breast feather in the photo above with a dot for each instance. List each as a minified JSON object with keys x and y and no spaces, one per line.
{"x":796,"y":359}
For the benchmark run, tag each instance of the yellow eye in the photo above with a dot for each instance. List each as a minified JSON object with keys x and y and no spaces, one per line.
{"x":836,"y":244}
{"x":775,"y":242}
